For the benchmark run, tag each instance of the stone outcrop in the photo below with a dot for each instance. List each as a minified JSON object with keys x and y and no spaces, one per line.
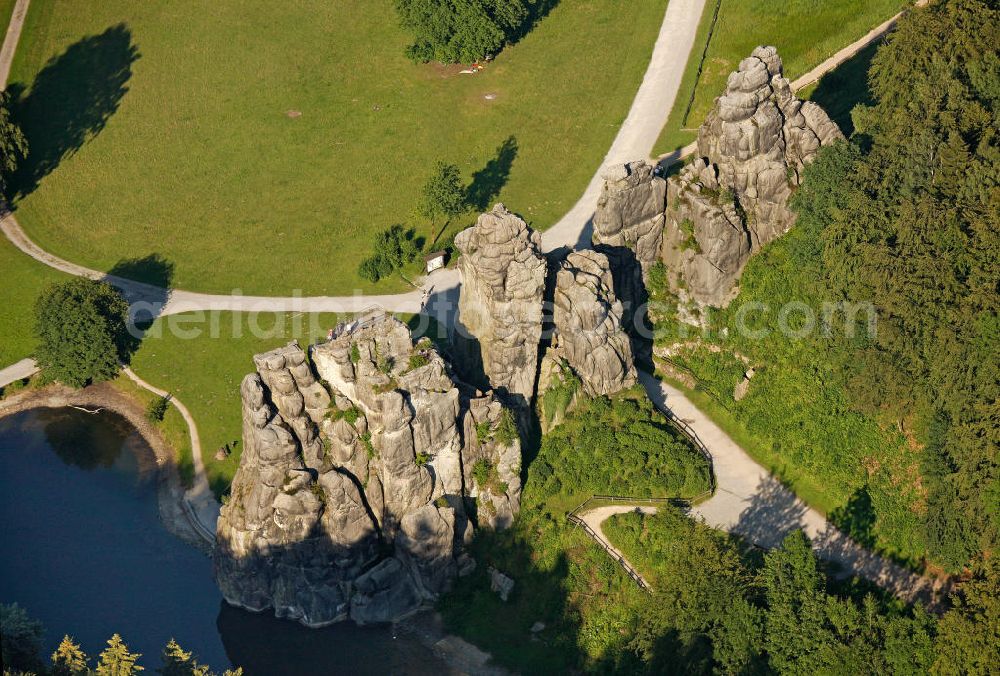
{"x":350,"y":499}
{"x":734,"y":198}
{"x":588,"y":320}
{"x":630,"y":211}
{"x":500,"y":307}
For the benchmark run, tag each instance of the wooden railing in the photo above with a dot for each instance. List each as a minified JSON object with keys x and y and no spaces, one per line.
{"x":574,"y":518}
{"x":626,"y":566}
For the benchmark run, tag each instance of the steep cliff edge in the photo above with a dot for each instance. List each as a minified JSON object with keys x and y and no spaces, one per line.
{"x":352,"y":495}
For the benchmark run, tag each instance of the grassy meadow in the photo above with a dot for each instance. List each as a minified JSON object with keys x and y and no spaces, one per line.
{"x":805,"y":32}
{"x":23,"y":280}
{"x":260,"y":145}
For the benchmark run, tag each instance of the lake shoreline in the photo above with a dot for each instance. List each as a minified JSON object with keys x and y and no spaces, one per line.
{"x":426,"y":625}
{"x":170,"y":491}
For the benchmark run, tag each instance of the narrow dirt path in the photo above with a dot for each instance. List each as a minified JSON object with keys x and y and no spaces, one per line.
{"x":199,"y":499}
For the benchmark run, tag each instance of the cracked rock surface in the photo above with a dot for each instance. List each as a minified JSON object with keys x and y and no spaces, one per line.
{"x":503,"y":281}
{"x":588,"y":319}
{"x":733,"y":199}
{"x":350,"y":498}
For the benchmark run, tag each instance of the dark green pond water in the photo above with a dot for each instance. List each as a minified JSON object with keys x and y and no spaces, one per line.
{"x":83,"y":550}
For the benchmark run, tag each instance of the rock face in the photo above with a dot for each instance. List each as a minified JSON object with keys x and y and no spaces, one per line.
{"x":588,"y":322}
{"x":734,"y":199}
{"x":630,"y":211}
{"x":350,"y":498}
{"x":503,"y":282}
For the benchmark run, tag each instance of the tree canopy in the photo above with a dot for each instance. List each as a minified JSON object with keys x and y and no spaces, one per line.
{"x":13,"y":145}
{"x":452,"y":31}
{"x":910,"y":220}
{"x":443,"y":194}
{"x":82,"y":330}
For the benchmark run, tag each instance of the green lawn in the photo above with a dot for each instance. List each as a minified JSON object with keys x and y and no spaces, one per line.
{"x":805,"y":32}
{"x":6,"y":9}
{"x":23,"y":279}
{"x":197,"y":159}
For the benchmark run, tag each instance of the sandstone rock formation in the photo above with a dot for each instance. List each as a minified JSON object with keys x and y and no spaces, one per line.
{"x":350,"y":498}
{"x":503,"y":281}
{"x":588,"y":322}
{"x":630,"y":211}
{"x":734,"y":199}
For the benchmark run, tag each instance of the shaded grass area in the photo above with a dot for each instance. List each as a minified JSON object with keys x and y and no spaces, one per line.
{"x":173,"y":128}
{"x":23,"y":280}
{"x":843,"y":88}
{"x":804,"y":31}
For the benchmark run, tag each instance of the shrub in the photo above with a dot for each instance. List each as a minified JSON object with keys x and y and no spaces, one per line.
{"x":619,"y":446}
{"x":422,"y":459}
{"x":352,"y":414}
{"x":157,"y":408}
{"x":417,"y":360}
{"x":393,"y":248}
{"x":506,"y":432}
{"x":355,"y":353}
{"x":481,"y":471}
{"x":366,"y":439}
{"x":461,"y":30}
{"x":557,"y":399}
{"x":483,"y":431}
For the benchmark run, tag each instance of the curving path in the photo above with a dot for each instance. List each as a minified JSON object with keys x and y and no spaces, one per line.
{"x":635,"y":139}
{"x":199,"y":502}
{"x":750,"y":502}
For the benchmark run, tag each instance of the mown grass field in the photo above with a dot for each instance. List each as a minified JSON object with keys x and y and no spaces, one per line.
{"x":196,"y":158}
{"x":805,"y":32}
{"x":23,"y":280}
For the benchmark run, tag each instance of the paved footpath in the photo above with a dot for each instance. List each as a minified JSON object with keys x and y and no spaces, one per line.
{"x":752,"y":503}
{"x":18,"y":371}
{"x":635,"y":140}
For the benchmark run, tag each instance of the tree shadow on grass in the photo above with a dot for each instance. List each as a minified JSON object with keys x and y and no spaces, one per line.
{"x":490,"y":180}
{"x":476,"y":613}
{"x":147,"y":298}
{"x":537,"y":10}
{"x":845,"y":87}
{"x":857,"y":518}
{"x":70,"y":102}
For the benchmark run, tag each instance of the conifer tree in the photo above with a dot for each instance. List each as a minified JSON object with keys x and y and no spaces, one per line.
{"x":68,"y":659}
{"x":117,"y":660}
